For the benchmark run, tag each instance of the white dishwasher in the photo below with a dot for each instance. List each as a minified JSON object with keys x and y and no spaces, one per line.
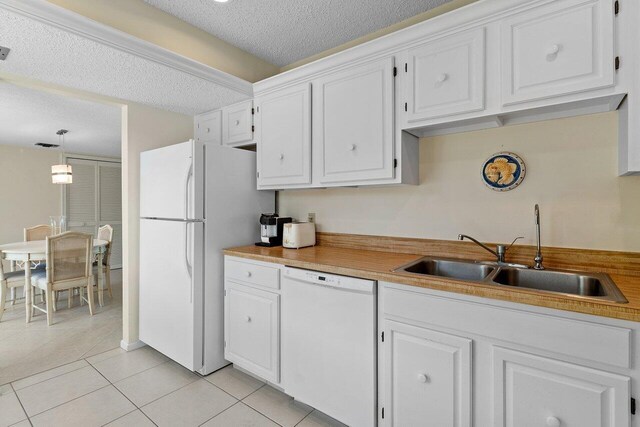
{"x":329,"y":344}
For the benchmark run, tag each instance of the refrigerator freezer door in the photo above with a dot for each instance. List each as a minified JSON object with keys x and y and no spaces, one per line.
{"x":171,"y":291}
{"x":171,"y":182}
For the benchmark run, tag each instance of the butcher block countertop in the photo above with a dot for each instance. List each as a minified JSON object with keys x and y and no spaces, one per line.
{"x":379,"y":265}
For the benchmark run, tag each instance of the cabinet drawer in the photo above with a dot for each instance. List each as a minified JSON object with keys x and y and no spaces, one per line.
{"x":254,"y":273}
{"x":534,"y":391}
{"x":237,"y":123}
{"x":563,"y":47}
{"x":252,"y":337}
{"x":574,"y":338}
{"x":446,"y":76}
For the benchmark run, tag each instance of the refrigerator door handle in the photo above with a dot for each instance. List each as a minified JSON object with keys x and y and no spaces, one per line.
{"x":187,"y":261}
{"x":186,"y":192}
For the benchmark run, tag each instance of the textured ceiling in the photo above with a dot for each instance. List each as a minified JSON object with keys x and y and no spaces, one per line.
{"x":285,"y":31}
{"x":28,"y":116}
{"x":49,"y":54}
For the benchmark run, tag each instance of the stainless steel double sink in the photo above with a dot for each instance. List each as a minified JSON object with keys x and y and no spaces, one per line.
{"x":594,"y":286}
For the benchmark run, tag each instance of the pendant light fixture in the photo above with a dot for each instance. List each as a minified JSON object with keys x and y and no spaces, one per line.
{"x":61,"y":174}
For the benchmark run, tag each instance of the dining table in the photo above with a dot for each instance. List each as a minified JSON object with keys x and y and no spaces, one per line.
{"x":35,"y":251}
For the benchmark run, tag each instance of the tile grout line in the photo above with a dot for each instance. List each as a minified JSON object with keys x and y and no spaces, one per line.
{"x":69,"y":401}
{"x":125,"y":396}
{"x":46,"y":370}
{"x":20,"y":402}
{"x":260,"y":412}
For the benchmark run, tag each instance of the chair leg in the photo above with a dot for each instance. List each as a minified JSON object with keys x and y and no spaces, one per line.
{"x":108,"y":280}
{"x":50,"y":301}
{"x":81,"y":291}
{"x":13,"y":296}
{"x":3,"y":296}
{"x":90,"y":295}
{"x":69,"y":297}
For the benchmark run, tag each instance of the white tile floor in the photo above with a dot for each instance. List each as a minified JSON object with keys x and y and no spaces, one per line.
{"x":144,"y":388}
{"x":26,"y":349}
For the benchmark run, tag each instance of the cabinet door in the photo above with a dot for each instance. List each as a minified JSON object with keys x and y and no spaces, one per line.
{"x":252,"y":336}
{"x":446,"y":76}
{"x":208,"y":127}
{"x":237,"y":124}
{"x":563,"y":47}
{"x":353,"y":123}
{"x":283,"y":136}
{"x":427,"y":377}
{"x":531,"y":391}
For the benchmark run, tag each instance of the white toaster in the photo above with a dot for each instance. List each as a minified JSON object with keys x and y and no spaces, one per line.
{"x":298,"y":235}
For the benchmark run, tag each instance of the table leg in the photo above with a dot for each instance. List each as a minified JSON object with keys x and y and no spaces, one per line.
{"x":100,"y":280}
{"x":27,"y":292}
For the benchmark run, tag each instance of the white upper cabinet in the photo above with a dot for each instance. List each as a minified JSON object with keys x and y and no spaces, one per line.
{"x":237,"y":124}
{"x":534,"y":391}
{"x":353,"y":123}
{"x":446,"y":76}
{"x":283,"y":137}
{"x":208,"y":127}
{"x":562,"y":47}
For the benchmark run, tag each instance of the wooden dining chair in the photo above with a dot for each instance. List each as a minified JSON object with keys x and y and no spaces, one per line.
{"x":8,"y":281}
{"x":105,"y":233}
{"x":37,"y":232}
{"x":69,"y":265}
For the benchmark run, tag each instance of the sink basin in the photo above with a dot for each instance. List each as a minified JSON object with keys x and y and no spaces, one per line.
{"x":460,"y":270}
{"x":591,"y":285}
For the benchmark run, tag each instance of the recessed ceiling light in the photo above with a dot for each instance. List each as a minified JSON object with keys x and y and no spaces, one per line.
{"x":221,"y":1}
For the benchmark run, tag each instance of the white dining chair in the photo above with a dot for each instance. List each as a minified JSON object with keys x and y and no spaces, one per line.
{"x":69,"y":265}
{"x":9,"y":281}
{"x":37,"y":232}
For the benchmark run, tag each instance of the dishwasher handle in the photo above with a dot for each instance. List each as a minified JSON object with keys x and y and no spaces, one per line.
{"x":330,"y":280}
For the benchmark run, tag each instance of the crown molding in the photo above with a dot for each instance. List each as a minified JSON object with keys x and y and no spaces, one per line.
{"x":72,"y":22}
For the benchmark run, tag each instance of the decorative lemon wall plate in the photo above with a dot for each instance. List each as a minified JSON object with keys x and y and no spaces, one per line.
{"x":503,"y":171}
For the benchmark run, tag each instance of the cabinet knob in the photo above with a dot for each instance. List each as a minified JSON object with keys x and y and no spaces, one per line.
{"x":237,"y":122}
{"x":248,"y":318}
{"x":352,"y":147}
{"x":442,"y":78}
{"x":552,"y":52}
{"x":553,"y":422}
{"x":423,"y":378}
{"x":281,"y":157}
{"x":248,"y":274}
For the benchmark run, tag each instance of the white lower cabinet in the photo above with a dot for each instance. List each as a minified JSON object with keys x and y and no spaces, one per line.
{"x":428,"y":377}
{"x":252,"y":329}
{"x":532,"y":391}
{"x":448,"y":360}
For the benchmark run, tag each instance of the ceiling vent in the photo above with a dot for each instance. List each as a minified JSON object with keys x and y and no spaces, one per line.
{"x":45,"y":145}
{"x":4,"y":52}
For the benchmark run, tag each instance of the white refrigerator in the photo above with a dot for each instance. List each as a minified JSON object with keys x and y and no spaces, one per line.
{"x":195,"y":200}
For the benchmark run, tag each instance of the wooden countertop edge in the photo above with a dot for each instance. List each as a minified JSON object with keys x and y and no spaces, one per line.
{"x":522,"y":296}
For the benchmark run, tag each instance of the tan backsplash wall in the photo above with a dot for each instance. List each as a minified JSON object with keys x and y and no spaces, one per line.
{"x":571,"y":172}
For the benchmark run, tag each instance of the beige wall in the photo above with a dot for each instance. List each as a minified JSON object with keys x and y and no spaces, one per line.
{"x":27,"y":196}
{"x":144,"y":128}
{"x":155,"y":26}
{"x":571,"y":173}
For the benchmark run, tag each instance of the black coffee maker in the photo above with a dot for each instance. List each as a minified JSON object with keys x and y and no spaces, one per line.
{"x":271,"y":226}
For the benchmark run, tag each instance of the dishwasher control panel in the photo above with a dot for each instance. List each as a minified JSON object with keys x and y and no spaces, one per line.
{"x":331,"y":280}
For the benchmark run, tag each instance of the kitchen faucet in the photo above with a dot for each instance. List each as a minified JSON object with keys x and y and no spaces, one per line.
{"x":538,"y":259}
{"x":500,"y":251}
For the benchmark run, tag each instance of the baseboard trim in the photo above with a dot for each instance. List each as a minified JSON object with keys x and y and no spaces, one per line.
{"x":131,"y":346}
